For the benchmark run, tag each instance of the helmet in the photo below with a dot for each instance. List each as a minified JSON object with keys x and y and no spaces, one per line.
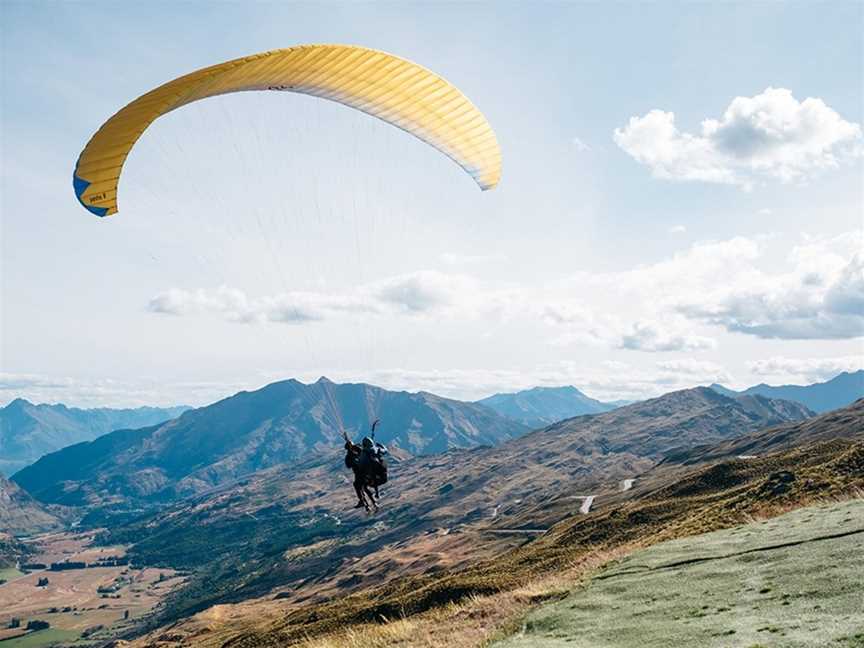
{"x":368,"y":443}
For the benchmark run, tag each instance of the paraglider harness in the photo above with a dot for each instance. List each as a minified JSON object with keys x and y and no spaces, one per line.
{"x":368,"y":463}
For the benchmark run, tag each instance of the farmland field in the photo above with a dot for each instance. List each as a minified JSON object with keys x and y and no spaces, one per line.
{"x":77,"y":600}
{"x":40,"y":638}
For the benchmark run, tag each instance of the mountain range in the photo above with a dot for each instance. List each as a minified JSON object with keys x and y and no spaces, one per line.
{"x":840,"y":391}
{"x":843,"y":423}
{"x":470,"y":604}
{"x":544,"y":405}
{"x":287,"y":422}
{"x":28,"y":431}
{"x":438,"y":511}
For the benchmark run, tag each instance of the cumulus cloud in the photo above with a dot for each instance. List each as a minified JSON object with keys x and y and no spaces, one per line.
{"x":677,"y":229}
{"x":234,"y":305}
{"x":771,"y":136}
{"x":655,"y":336}
{"x":821,"y":297}
{"x":421,"y":291}
{"x":415,"y":294}
{"x":805,"y":370}
{"x":581,"y":325}
{"x":691,"y":370}
{"x":674,"y":304}
{"x":737,"y":285}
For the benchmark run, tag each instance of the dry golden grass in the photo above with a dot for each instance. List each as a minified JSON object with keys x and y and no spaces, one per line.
{"x":468,"y":607}
{"x":471,"y":623}
{"x":475,"y":620}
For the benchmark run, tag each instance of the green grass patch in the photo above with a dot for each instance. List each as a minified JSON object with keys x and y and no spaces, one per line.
{"x":41,"y":638}
{"x":8,"y":573}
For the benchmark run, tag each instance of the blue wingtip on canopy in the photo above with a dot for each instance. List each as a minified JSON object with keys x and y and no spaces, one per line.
{"x":80,"y":186}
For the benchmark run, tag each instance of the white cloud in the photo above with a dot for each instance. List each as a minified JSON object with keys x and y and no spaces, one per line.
{"x":769,"y":136}
{"x":581,"y":325}
{"x":677,"y":229}
{"x":234,"y":305}
{"x":580,"y":145}
{"x":412,"y":294}
{"x":421,"y":291}
{"x":674,"y":304}
{"x":700,"y":371}
{"x":821,"y":297}
{"x":657,"y":336}
{"x":106,"y":392}
{"x":805,"y":370}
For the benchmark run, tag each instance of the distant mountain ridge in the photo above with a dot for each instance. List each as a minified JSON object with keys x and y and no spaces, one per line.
{"x":545,"y":405}
{"x":840,"y":391}
{"x":28,"y":431}
{"x":846,"y":423}
{"x":285,"y":422}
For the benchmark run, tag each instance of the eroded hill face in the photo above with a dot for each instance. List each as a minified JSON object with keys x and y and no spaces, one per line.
{"x":20,"y":514}
{"x":284,"y":423}
{"x":294,"y":533}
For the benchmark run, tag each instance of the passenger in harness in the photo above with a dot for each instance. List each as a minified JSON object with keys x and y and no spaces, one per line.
{"x":369,"y":466}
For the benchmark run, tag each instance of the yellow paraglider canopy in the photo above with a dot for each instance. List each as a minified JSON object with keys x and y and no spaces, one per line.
{"x":388,"y":87}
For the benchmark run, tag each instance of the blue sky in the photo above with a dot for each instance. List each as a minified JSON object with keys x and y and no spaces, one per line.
{"x":628,"y":264}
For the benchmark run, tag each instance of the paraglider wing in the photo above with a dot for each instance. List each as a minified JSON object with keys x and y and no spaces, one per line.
{"x":382,"y":85}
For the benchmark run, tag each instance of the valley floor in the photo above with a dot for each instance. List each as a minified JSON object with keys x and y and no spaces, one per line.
{"x":792,"y":581}
{"x":71,"y":601}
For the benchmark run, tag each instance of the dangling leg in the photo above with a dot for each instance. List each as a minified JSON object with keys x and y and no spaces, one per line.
{"x":371,"y":497}
{"x":358,"y":488}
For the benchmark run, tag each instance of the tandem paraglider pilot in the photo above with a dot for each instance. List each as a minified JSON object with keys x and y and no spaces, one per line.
{"x":369,"y":466}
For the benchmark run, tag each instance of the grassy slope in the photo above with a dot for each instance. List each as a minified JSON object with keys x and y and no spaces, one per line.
{"x":669,"y":505}
{"x":789,"y":581}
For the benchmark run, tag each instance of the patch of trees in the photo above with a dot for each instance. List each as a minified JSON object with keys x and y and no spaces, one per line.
{"x":42,"y":582}
{"x":70,"y":564}
{"x":33,"y":566}
{"x":37,"y":624}
{"x":112,"y":561}
{"x":32,"y":626}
